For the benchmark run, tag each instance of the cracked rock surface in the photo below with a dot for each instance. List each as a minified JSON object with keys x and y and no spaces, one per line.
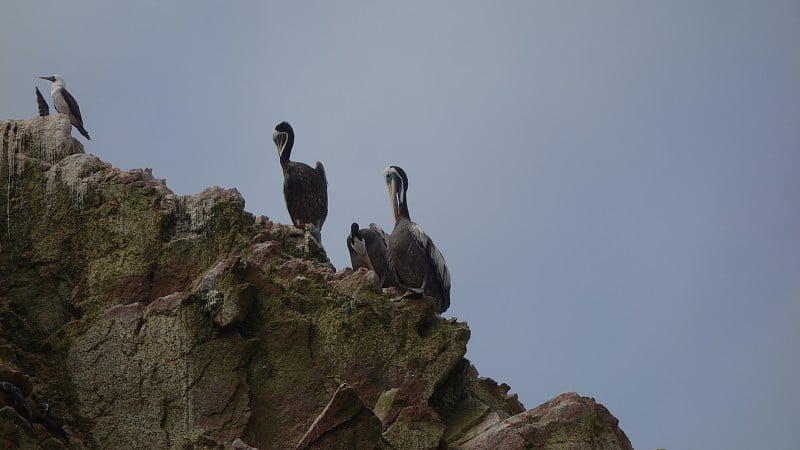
{"x":148,"y":319}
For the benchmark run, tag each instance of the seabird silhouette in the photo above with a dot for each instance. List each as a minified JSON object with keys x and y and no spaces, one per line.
{"x":417,"y":263}
{"x":305,"y":189}
{"x":65,"y":103}
{"x":367,"y":247}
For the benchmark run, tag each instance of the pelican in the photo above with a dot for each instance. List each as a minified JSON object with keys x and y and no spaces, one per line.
{"x":367,"y":248}
{"x":65,"y":103}
{"x":305,"y":189}
{"x":413,"y":257}
{"x":44,"y":109}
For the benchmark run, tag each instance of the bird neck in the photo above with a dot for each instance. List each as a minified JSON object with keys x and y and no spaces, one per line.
{"x":402,"y":213}
{"x":286,"y":152}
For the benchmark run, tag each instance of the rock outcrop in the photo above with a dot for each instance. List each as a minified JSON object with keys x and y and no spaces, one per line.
{"x":152,"y":320}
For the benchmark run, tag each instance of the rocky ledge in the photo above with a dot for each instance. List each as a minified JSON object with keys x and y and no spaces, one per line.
{"x":152,"y":320}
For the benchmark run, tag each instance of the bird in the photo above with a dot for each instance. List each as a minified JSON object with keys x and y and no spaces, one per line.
{"x":65,"y":103}
{"x":44,"y":109}
{"x":305,"y":189}
{"x":367,"y":247}
{"x":13,"y":397}
{"x":42,"y":415}
{"x":414,"y":259}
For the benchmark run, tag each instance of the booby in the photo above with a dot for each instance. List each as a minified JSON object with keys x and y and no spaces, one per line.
{"x":13,"y":397}
{"x":65,"y":103}
{"x":367,"y":248}
{"x":304,"y":188}
{"x":42,"y":415}
{"x":413,"y":257}
{"x":44,"y":109}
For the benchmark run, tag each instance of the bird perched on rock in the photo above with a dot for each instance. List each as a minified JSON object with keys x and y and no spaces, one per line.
{"x":367,"y":247}
{"x":305,"y":189}
{"x":42,"y":415}
{"x":415,"y":260}
{"x":41,"y":103}
{"x":65,"y":103}
{"x":13,"y":397}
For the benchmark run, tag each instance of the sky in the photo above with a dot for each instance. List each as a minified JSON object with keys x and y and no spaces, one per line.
{"x":613,"y":184}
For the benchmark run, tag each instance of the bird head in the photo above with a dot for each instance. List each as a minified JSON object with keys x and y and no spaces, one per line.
{"x":354,"y":230}
{"x":58,"y":79}
{"x":397,"y":183}
{"x":283,"y":137}
{"x":355,"y":241}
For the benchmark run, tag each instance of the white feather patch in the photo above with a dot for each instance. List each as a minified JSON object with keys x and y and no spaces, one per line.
{"x":360,"y":247}
{"x":433,"y":253}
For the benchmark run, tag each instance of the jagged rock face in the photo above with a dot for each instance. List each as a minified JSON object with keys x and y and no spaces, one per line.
{"x":564,"y":423}
{"x":147,"y":319}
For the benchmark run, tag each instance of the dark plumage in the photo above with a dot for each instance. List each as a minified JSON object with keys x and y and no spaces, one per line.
{"x":367,"y":248}
{"x":305,"y":189}
{"x":65,"y":103}
{"x":42,"y":415}
{"x":44,"y":108}
{"x":415,"y":260}
{"x":13,"y":397}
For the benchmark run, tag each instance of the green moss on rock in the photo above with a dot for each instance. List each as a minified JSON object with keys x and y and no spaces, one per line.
{"x":152,"y":320}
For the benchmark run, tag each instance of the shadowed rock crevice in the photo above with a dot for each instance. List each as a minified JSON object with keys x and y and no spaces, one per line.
{"x":150,"y":319}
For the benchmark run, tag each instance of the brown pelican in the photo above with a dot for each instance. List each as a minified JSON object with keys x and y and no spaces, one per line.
{"x":44,"y":109}
{"x":367,"y":248}
{"x":65,"y":103}
{"x":416,"y":262}
{"x":42,"y":415}
{"x":305,"y":189}
{"x":12,"y":397}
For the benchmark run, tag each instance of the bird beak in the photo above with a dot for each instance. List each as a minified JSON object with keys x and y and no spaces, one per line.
{"x":279,"y":138}
{"x":48,"y":78}
{"x":394,"y":197}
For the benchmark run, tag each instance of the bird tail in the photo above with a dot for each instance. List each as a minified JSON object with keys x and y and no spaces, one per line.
{"x":83,"y":132}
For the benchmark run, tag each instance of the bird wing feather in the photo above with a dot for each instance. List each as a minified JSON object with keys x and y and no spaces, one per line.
{"x":434,"y":257}
{"x":73,"y":106}
{"x":44,"y":109}
{"x":374,"y":227}
{"x":304,"y":189}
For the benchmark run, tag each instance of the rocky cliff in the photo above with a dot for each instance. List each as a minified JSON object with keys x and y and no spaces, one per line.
{"x":153,"y":320}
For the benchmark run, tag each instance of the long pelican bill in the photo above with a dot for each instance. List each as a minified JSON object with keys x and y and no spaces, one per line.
{"x":394,"y":195}
{"x":280,"y":138}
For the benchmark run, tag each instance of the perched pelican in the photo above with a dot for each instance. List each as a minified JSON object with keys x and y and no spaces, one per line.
{"x":305,"y":189}
{"x":42,"y":415}
{"x":12,"y":397}
{"x":44,"y":109}
{"x":416,"y":262}
{"x":367,"y":248}
{"x":65,"y":103}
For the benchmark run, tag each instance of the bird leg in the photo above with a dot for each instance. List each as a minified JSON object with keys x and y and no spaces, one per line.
{"x":416,"y":292}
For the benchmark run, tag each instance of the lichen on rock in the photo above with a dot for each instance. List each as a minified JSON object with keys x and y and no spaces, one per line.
{"x":154,"y":320}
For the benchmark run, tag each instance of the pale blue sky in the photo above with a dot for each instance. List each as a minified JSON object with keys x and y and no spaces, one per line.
{"x":613,"y":184}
